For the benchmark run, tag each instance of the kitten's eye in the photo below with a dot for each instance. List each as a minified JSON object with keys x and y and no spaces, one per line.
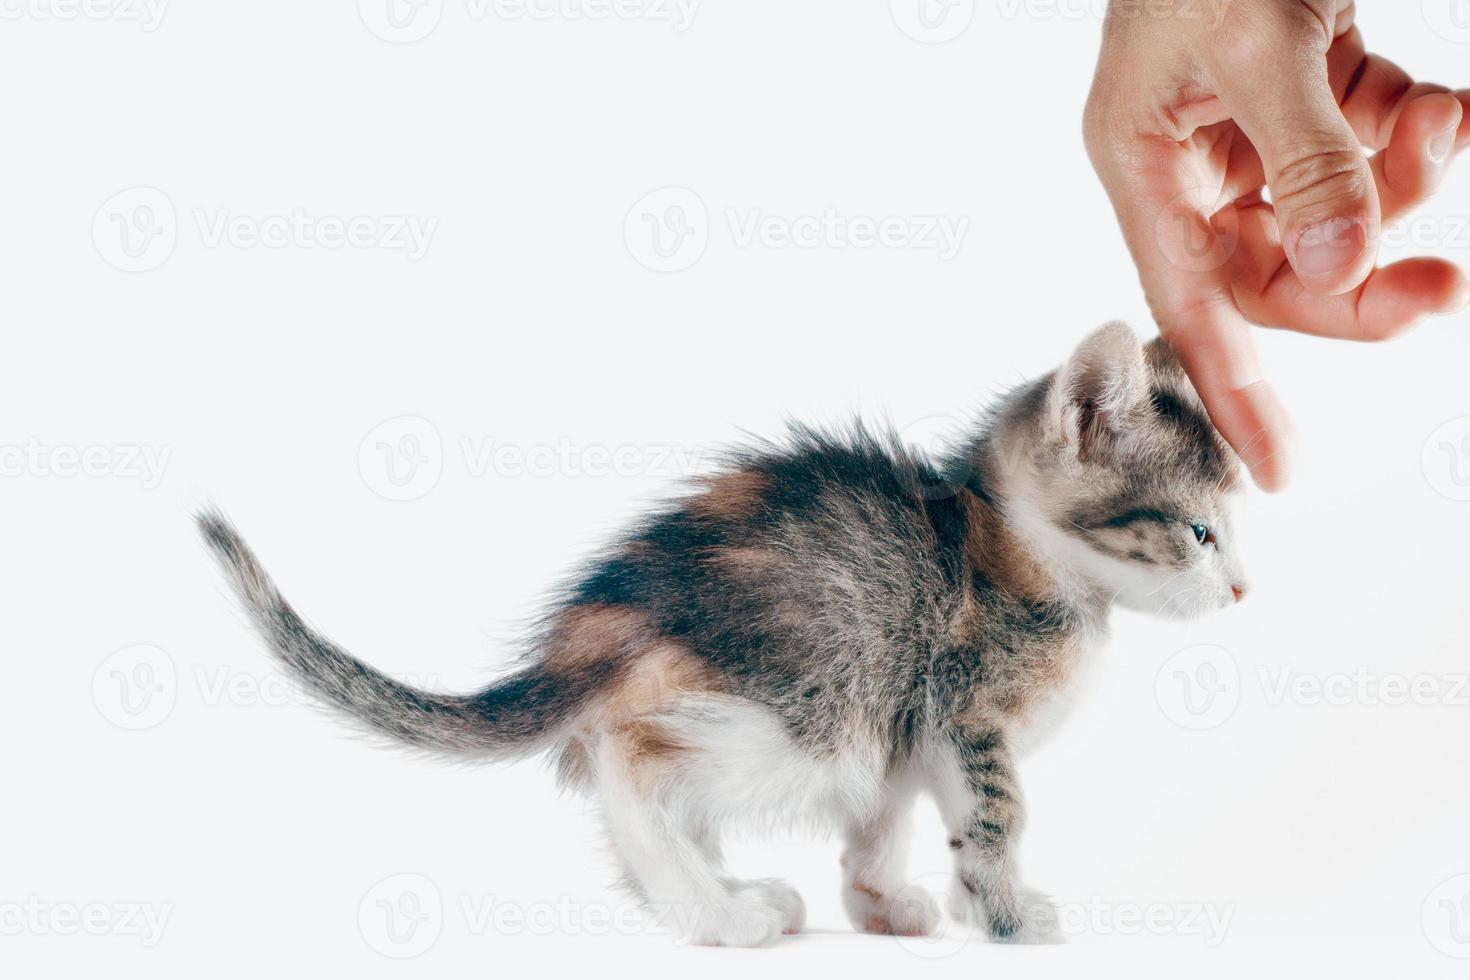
{"x":1202,"y":533}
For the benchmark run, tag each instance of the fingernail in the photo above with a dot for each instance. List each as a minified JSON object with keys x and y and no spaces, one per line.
{"x":1327,"y":248}
{"x":1443,"y":145}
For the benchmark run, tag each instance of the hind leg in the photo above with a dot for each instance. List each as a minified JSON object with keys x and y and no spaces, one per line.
{"x":875,"y":867}
{"x":774,"y":891}
{"x":669,"y":855}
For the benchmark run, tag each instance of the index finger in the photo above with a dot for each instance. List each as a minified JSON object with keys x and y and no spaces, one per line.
{"x":1214,"y":346}
{"x":1185,"y":267}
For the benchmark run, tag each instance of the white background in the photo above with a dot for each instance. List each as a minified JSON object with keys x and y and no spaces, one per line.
{"x":532,"y":342}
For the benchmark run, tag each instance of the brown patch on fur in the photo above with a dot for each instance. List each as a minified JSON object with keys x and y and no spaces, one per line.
{"x":991,"y":545}
{"x":666,"y":669}
{"x":1040,"y":673}
{"x":967,"y":620}
{"x":867,"y":891}
{"x":646,"y":674}
{"x":656,"y":674}
{"x":584,"y":636}
{"x":574,"y":764}
{"x":649,"y":749}
{"x":730,"y":496}
{"x":744,"y":561}
{"x":648,"y":741}
{"x":655,"y":679}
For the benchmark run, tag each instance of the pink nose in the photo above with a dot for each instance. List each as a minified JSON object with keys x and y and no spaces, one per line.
{"x":1238,"y":592}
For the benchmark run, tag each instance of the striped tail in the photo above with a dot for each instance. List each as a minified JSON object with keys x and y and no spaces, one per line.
{"x":510,"y":718}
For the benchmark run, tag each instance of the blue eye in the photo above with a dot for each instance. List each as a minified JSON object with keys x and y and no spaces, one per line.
{"x":1201,"y":533}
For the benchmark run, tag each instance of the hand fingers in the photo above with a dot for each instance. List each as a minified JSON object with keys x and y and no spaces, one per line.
{"x":1185,"y":268}
{"x":1400,"y":295}
{"x":1244,"y":175}
{"x":1406,"y":173}
{"x":1392,"y":299}
{"x":1426,"y":132}
{"x":1186,"y":273}
{"x":1373,"y":91}
{"x":1410,"y":169}
{"x":1214,"y":345}
{"x":1272,"y":76}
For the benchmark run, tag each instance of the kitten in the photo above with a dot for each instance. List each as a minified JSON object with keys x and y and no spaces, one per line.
{"x":823,"y":631}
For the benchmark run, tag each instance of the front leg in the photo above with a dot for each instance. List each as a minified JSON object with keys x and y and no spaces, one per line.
{"x":875,"y":890}
{"x":980,"y":800}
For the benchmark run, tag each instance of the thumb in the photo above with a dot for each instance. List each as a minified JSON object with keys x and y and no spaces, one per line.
{"x":1321,"y":183}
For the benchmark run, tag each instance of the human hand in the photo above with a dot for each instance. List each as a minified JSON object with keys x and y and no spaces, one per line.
{"x":1195,"y":109}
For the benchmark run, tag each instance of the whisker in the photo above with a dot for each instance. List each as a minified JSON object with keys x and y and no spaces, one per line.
{"x":1166,"y":581}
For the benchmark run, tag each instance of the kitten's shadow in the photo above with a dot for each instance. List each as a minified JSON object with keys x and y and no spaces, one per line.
{"x":829,"y":934}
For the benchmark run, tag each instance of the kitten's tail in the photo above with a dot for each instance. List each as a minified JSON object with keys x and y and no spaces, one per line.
{"x":505,"y":719}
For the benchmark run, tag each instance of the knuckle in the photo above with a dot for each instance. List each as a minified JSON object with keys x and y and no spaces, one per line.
{"x":1243,"y":46}
{"x":1193,"y":309}
{"x":1255,"y":35}
{"x":1179,"y":315}
{"x":1316,"y":178}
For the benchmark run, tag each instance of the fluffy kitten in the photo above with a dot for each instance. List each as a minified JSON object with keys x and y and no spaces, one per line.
{"x":825,"y":630}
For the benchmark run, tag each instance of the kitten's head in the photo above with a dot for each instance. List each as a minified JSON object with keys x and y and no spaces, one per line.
{"x":1126,"y":481}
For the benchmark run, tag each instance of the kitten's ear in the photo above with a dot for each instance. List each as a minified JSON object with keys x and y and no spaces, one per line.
{"x":1097,"y":389}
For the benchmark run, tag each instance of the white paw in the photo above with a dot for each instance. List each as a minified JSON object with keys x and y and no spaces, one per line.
{"x":749,"y":919}
{"x":911,"y":911}
{"x":777,"y":894}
